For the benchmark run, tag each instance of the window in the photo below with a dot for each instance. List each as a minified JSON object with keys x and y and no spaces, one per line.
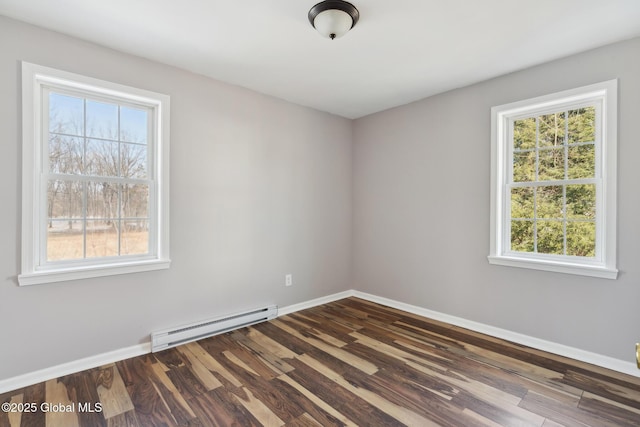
{"x":553,"y":182}
{"x":95,"y":177}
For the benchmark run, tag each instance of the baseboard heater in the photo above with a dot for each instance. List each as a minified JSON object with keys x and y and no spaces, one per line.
{"x":173,"y":337}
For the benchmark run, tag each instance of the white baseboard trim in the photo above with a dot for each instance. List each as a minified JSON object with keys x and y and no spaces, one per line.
{"x":314,"y":302}
{"x":607,"y":362}
{"x":73,"y":367}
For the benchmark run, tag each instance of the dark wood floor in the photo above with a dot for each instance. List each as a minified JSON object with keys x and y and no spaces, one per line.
{"x":350,"y":362}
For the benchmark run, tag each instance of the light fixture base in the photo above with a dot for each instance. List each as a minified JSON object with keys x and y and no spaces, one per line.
{"x":330,"y":15}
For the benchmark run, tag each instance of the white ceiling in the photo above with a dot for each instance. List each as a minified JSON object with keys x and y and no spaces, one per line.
{"x":400,"y":51}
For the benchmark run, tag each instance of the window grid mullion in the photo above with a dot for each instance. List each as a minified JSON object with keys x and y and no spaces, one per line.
{"x":535,"y":219}
{"x":535,"y":189}
{"x":120,"y":217}
{"x":85,"y":201}
{"x":91,"y":178}
{"x":84,"y":183}
{"x":564,"y":220}
{"x":566,"y":177}
{"x":537,"y":148}
{"x":120,"y":186}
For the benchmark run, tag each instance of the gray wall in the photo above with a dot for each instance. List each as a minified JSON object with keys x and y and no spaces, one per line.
{"x":259,"y":188}
{"x":421,"y":211}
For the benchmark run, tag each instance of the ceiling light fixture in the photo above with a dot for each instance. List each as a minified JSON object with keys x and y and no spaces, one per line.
{"x":333,"y":18}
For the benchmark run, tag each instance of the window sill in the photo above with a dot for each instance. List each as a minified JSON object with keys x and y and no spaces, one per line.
{"x":66,"y":274}
{"x":558,"y":267}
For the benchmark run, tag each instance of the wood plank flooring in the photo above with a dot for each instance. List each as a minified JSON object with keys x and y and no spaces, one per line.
{"x":350,"y":362}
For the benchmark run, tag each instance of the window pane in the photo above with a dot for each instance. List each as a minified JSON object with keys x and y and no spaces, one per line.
{"x":65,"y":154}
{"x":582,"y":161}
{"x":522,"y":236}
{"x":524,"y":166}
{"x":582,"y":125}
{"x":66,"y":114}
{"x":549,"y":202}
{"x":101,"y":158}
{"x":135,"y":237}
{"x":522,"y":202}
{"x":102,"y":238}
{"x":524,"y":134}
{"x":581,"y":239}
{"x":550,"y":237}
{"x":551,"y":166}
{"x":64,"y":199}
{"x":551,"y":130}
{"x":133,"y":161}
{"x":135,"y":201}
{"x":581,"y":201}
{"x":55,"y":199}
{"x":64,"y":240}
{"x":102,"y":120}
{"x":133,"y":125}
{"x":102,"y":200}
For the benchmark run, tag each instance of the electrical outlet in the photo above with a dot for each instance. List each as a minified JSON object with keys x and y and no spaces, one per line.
{"x":288,"y":280}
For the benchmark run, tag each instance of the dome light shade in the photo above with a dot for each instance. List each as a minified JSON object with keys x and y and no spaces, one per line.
{"x":333,"y":19}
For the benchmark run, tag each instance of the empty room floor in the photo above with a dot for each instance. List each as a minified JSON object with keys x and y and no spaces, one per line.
{"x":349,"y":362}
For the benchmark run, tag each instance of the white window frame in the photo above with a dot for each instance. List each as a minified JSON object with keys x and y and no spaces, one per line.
{"x":603,"y":265}
{"x":35,"y":269}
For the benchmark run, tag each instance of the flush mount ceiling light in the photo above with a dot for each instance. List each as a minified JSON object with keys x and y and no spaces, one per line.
{"x":333,"y":19}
